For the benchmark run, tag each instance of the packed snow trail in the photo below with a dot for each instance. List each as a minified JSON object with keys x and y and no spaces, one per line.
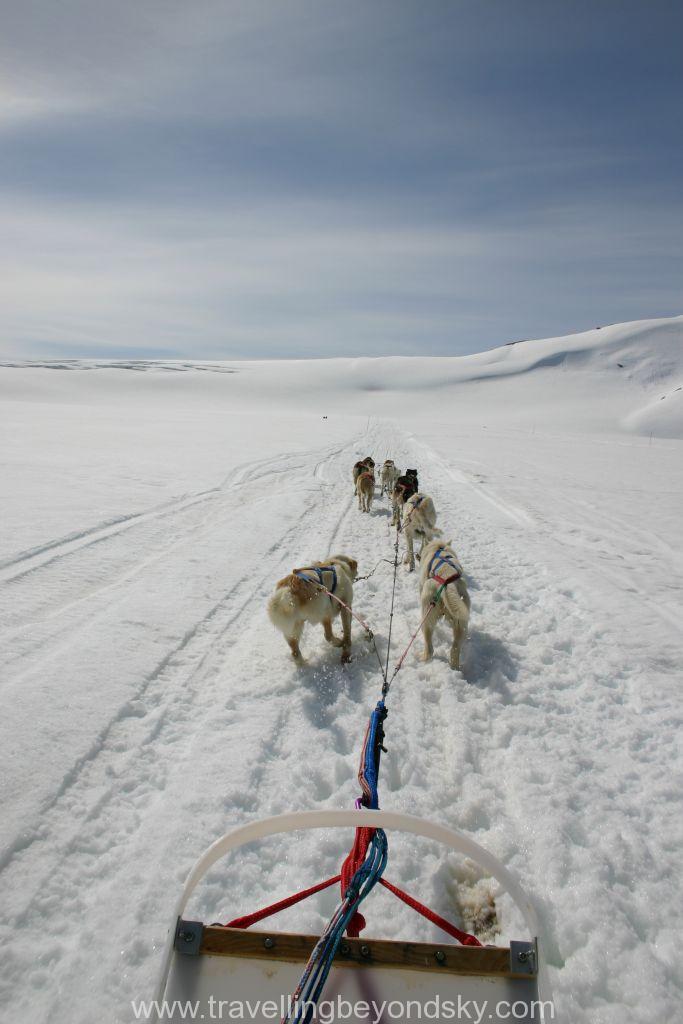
{"x":543,"y":747}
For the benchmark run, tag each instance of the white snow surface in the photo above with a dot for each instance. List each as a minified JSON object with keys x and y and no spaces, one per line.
{"x":149,"y":706}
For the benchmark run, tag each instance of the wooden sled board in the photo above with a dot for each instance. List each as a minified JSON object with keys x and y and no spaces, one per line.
{"x":415,"y":956}
{"x":245,"y":975}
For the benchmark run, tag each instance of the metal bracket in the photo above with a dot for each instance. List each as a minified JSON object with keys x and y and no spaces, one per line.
{"x":188,"y":937}
{"x":524,"y":958}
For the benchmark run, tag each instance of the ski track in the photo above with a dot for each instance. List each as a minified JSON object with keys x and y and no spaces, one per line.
{"x":225,"y":728}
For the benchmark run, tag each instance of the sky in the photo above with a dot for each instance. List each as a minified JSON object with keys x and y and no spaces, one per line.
{"x":291,"y":178}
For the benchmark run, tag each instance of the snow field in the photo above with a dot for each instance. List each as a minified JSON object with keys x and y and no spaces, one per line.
{"x":150,"y":706}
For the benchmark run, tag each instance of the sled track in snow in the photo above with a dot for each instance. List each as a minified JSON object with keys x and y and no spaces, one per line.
{"x":54,"y":550}
{"x":222,"y":726}
{"x":195,"y":647}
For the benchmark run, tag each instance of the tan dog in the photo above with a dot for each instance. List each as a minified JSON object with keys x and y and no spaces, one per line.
{"x":419,"y":520}
{"x":440,"y":566}
{"x":299,"y":598}
{"x":365,"y":489}
{"x":358,"y":468}
{"x":388,"y":477}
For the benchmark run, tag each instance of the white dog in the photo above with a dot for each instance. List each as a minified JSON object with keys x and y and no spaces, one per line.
{"x":419,"y":520}
{"x":441,"y":573}
{"x":299,"y":598}
{"x":388,"y":477}
{"x":365,"y":489}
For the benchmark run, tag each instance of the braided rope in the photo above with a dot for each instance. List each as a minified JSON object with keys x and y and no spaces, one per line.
{"x":303,"y":1002}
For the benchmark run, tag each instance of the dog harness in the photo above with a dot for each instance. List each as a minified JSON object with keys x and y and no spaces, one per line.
{"x":407,"y":488}
{"x":319,"y":570}
{"x":440,"y":560}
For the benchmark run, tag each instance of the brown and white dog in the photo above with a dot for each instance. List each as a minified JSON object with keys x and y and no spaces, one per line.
{"x":419,"y":520}
{"x":440,"y":565}
{"x":365,"y":489}
{"x":365,"y":465}
{"x":388,"y":477}
{"x":403,"y":488}
{"x":299,"y":598}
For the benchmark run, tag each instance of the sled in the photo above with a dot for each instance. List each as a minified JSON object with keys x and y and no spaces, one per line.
{"x":222,"y":968}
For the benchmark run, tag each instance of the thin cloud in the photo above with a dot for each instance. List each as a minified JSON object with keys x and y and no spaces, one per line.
{"x":255,"y":179}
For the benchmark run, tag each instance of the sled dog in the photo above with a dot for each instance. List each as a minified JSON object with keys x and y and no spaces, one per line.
{"x":388,"y":477}
{"x":441,"y":570}
{"x":365,"y":489}
{"x":419,"y":520}
{"x":299,"y":598}
{"x":403,"y":488}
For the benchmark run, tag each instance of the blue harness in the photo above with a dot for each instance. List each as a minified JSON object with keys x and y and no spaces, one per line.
{"x":319,"y":570}
{"x":440,"y":560}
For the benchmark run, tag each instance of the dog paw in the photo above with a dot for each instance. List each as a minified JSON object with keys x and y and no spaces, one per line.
{"x":426,"y":655}
{"x":346,"y":657}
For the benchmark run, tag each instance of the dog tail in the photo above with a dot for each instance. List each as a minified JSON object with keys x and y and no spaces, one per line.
{"x":284,"y":606}
{"x":457,"y":602}
{"x":300,"y":588}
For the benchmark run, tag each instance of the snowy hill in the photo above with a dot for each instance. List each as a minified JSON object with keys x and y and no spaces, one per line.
{"x":623,"y":377}
{"x":149,"y":706}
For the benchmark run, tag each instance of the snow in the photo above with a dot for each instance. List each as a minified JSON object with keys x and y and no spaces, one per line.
{"x":149,"y":706}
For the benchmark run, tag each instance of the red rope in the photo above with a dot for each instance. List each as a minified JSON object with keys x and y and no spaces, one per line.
{"x":441,"y":922}
{"x":274,"y":908}
{"x":355,"y":858}
{"x":357,"y":923}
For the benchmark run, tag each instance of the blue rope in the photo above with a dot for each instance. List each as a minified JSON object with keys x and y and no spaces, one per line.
{"x":312,"y":982}
{"x":373,"y":747}
{"x":319,"y":964}
{"x":310,"y":988}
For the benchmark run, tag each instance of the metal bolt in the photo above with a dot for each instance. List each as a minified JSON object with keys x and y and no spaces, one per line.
{"x":524,"y":955}
{"x":187,"y":936}
{"x":268,"y":942}
{"x":365,"y":951}
{"x":440,"y":956}
{"x":344,"y":949}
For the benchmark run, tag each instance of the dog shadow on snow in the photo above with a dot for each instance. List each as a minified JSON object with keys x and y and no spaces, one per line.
{"x":488,"y":663}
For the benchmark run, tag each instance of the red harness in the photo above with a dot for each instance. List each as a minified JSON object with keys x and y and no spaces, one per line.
{"x":443,"y":582}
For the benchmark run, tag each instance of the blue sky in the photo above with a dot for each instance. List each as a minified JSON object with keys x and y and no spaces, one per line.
{"x":262,"y":178}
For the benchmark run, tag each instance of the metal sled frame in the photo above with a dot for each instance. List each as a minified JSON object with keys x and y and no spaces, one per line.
{"x":203,"y":961}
